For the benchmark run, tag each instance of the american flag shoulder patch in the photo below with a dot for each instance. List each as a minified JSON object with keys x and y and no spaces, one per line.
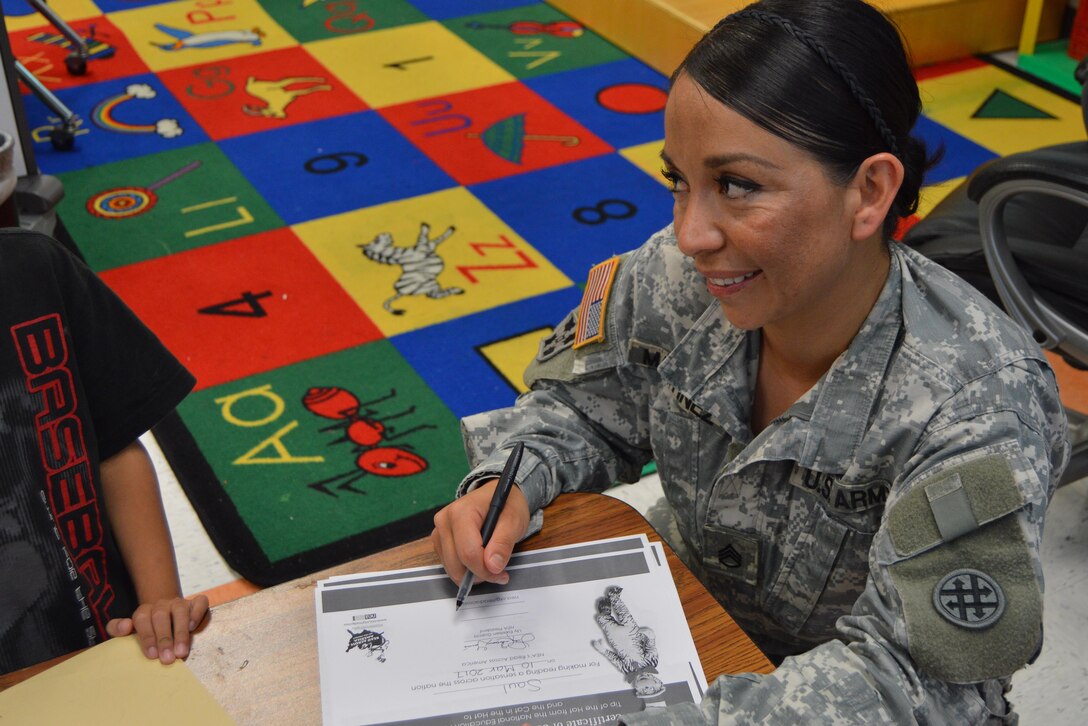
{"x":591,"y":314}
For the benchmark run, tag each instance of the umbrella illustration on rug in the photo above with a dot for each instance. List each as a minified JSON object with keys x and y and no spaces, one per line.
{"x":506,"y":138}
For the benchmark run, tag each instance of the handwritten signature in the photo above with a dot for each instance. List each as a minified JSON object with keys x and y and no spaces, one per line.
{"x":504,"y":642}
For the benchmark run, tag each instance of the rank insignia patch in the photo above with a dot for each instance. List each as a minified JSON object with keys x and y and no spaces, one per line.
{"x":969,"y":599}
{"x":729,"y":557}
{"x":591,"y":314}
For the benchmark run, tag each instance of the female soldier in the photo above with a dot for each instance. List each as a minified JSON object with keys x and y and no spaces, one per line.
{"x":858,"y":448}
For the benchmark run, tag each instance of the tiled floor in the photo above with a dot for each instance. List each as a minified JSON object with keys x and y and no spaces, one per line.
{"x":1050,"y":692}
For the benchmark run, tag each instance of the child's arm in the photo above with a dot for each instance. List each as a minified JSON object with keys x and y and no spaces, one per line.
{"x":164,"y":620}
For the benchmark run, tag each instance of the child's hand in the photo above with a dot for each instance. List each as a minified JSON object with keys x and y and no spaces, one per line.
{"x":163,"y":627}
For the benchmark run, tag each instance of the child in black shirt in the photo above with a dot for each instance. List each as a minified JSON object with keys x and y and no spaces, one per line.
{"x":85,"y":552}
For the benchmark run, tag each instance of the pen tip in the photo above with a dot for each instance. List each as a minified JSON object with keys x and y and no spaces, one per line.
{"x":458,"y":605}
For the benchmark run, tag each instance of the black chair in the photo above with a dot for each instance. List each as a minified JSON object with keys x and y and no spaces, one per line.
{"x":1017,"y":229}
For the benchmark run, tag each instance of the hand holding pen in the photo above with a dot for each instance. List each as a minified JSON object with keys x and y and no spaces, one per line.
{"x":494,"y":510}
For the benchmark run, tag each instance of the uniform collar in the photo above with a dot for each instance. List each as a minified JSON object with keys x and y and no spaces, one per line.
{"x":840,"y":406}
{"x":714,"y":367}
{"x":710,"y":368}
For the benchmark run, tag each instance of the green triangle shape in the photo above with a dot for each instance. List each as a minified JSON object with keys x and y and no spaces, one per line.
{"x":1004,"y":105}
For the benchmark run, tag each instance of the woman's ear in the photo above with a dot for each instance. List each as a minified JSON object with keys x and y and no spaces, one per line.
{"x":877,"y":181}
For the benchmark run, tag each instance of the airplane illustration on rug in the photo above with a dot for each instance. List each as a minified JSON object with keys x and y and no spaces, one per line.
{"x":184,"y":39}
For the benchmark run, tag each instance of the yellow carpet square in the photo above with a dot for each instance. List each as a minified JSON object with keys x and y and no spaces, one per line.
{"x":933,"y":194}
{"x":646,"y":157}
{"x":69,"y":10}
{"x":954,"y":99}
{"x":406,"y":63}
{"x":409,"y":276}
{"x":512,"y":356}
{"x":189,"y":33}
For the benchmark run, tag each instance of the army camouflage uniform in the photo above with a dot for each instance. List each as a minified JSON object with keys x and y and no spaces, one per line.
{"x":882,"y":535}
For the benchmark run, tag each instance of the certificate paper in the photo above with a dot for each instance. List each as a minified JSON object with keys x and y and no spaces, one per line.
{"x":580,"y":635}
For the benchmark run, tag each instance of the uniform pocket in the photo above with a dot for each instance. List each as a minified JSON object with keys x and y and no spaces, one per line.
{"x":804,"y":574}
{"x":732,"y":553}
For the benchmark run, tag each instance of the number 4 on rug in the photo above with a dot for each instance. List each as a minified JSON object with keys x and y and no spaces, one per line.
{"x":246,"y":306}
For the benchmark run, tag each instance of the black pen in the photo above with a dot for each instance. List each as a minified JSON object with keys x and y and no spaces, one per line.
{"x":498,"y":501}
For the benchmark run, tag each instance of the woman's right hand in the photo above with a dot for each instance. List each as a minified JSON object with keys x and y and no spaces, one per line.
{"x":456,"y":536}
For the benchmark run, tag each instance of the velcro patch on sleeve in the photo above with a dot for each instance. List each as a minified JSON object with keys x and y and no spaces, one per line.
{"x":591,"y":313}
{"x":972,"y":604}
{"x":953,"y":503}
{"x":973,"y":607}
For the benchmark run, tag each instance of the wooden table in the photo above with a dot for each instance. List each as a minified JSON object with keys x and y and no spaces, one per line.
{"x":258,"y":656}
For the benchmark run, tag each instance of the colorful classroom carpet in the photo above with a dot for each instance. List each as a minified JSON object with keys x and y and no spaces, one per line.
{"x":354,"y":220}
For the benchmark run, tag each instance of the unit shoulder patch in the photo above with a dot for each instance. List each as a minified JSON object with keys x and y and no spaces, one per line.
{"x":969,"y":598}
{"x":561,"y":338}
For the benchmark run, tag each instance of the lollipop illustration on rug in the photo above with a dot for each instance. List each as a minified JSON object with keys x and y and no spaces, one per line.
{"x":122,"y":202}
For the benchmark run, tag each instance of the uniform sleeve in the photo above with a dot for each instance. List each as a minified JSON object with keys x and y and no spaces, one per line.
{"x":129,"y":377}
{"x":584,"y":433}
{"x":585,"y":421}
{"x":953,"y":602}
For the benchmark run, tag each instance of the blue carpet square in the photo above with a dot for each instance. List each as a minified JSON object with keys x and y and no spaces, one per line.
{"x":579,"y":214}
{"x":446,"y":356}
{"x":961,"y":155}
{"x":445,"y":9}
{"x":108,"y":6}
{"x":120,"y":119}
{"x":21,"y":8}
{"x":333,"y":166}
{"x":623,"y":102}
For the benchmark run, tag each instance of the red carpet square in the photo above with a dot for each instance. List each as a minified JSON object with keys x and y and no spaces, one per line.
{"x":493,"y":132}
{"x":260,"y":92}
{"x":243,"y":307}
{"x":43,"y":50}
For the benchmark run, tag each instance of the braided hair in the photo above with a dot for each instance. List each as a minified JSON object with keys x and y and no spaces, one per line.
{"x":829,"y":76}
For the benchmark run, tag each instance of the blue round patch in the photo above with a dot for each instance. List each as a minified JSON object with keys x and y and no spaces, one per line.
{"x":969,"y":599}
